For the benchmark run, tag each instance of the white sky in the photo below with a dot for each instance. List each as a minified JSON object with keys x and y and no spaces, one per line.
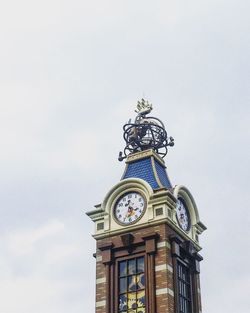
{"x":70,"y":75}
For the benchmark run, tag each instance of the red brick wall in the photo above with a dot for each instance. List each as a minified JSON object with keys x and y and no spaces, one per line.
{"x":164,"y":277}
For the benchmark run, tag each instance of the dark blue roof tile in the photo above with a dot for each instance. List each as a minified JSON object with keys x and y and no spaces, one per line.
{"x":142,"y":169}
{"x":153,"y":173}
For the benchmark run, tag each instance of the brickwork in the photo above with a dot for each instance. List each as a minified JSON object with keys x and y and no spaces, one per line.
{"x":163,"y":289}
{"x":164,"y":276}
{"x":100,"y":287}
{"x":171,"y":308}
{"x":101,"y":309}
{"x":164,"y":284}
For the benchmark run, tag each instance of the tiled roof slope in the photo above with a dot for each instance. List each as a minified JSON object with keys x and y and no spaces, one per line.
{"x":150,"y":170}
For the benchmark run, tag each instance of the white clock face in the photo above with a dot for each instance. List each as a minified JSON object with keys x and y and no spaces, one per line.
{"x":129,"y":208}
{"x":182,"y":215}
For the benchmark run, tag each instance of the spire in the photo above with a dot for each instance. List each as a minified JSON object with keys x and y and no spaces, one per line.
{"x":146,"y":146}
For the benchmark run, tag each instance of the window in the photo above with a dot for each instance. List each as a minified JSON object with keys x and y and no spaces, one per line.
{"x":186,"y":275}
{"x":131,"y":286}
{"x":184,"y":288}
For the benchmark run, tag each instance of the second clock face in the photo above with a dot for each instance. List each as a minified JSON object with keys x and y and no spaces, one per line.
{"x":129,"y":208}
{"x":182,"y":215}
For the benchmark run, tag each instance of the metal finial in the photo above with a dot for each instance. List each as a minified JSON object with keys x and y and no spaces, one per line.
{"x":145,"y":133}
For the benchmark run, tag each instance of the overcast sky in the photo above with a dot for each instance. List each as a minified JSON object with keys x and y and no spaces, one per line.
{"x":71,"y":73}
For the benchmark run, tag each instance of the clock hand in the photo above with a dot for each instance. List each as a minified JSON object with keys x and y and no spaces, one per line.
{"x":130,"y":210}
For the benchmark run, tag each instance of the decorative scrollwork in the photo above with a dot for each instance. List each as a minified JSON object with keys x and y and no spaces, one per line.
{"x":145,"y":133}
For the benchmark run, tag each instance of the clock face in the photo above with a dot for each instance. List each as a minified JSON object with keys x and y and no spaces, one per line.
{"x":129,"y":208}
{"x":182,"y":215}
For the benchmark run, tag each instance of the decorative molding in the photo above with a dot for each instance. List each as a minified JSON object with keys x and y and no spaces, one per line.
{"x":106,"y":250}
{"x":97,"y":215}
{"x":188,"y":246}
{"x":183,"y":192}
{"x":139,"y":226}
{"x":139,"y":155}
{"x":150,"y":242}
{"x":127,"y":240}
{"x":144,"y":154}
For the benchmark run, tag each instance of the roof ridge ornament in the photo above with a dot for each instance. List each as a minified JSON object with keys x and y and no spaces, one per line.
{"x":145,"y":133}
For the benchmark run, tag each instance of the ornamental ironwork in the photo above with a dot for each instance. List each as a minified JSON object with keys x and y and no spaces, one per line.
{"x":146,"y":132}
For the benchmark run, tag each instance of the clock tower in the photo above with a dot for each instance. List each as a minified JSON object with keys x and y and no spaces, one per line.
{"x":147,"y":230}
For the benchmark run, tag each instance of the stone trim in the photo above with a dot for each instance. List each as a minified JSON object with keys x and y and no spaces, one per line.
{"x":163,"y":291}
{"x":164,"y":267}
{"x":170,"y":268}
{"x":101,"y":280}
{"x":170,"y":292}
{"x":163,"y":244}
{"x":99,"y":258}
{"x":145,"y":154}
{"x":100,"y":303}
{"x":155,"y":173}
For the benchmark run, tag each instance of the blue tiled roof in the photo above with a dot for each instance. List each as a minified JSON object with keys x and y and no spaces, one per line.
{"x":142,"y":169}
{"x":162,"y":174}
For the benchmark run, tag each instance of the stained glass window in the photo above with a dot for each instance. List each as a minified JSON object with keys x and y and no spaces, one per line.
{"x":132,"y":286}
{"x":184,"y":287}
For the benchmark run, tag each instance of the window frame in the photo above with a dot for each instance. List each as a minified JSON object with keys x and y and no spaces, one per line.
{"x":129,"y":246}
{"x":116,"y":266}
{"x":183,"y":265}
{"x":183,"y":252}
